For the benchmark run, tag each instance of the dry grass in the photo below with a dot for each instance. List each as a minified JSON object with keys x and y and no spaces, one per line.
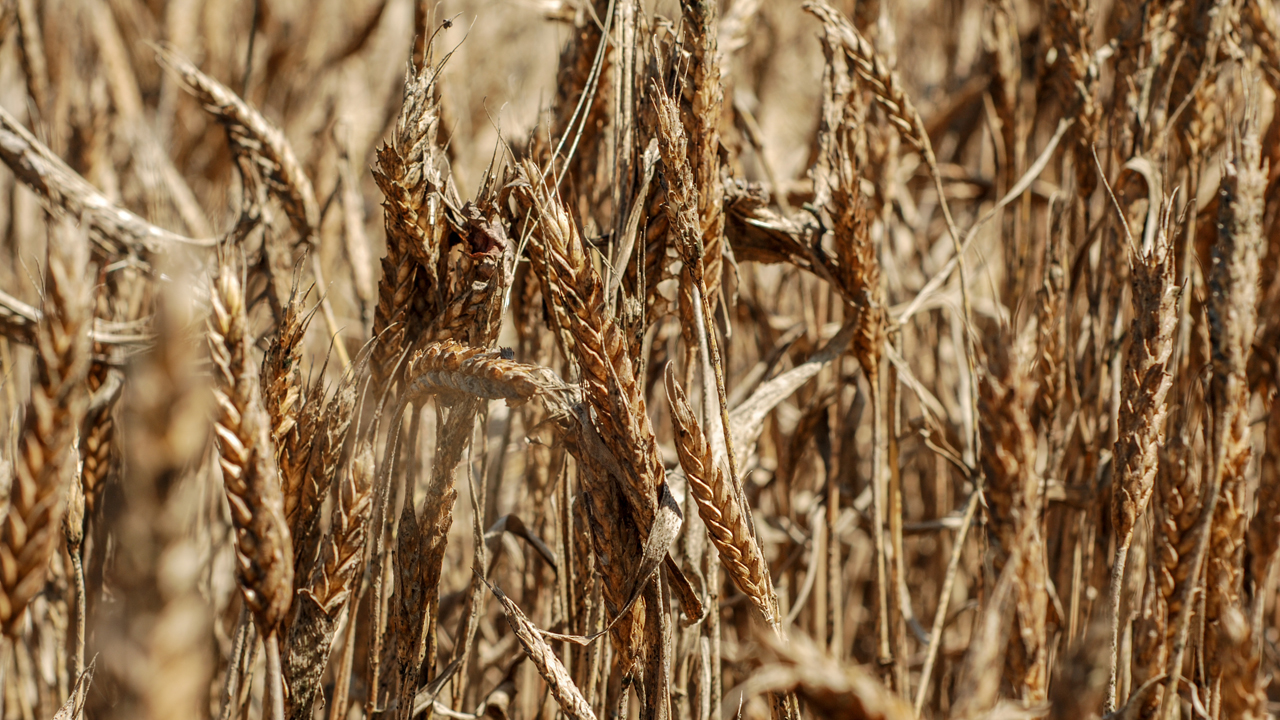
{"x":674,"y":360}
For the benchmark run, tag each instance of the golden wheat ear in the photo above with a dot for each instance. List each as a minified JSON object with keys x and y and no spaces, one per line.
{"x":251,"y":481}
{"x":45,"y":462}
{"x":718,"y":507}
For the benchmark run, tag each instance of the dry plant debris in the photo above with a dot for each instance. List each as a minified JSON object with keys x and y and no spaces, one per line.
{"x":394,"y":359}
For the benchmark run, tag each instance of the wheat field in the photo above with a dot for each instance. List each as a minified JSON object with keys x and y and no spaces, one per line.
{"x":654,"y":359}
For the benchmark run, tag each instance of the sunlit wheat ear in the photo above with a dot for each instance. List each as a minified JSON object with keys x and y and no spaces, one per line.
{"x":264,"y":553}
{"x":44,"y":462}
{"x":718,"y":507}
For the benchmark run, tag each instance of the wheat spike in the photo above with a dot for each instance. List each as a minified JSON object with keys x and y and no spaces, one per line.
{"x":718,"y":507}
{"x":322,"y":599}
{"x":408,"y":175}
{"x":1232,"y":315}
{"x":1076,"y":76}
{"x":44,"y":462}
{"x":1264,"y":528}
{"x":249,"y":131}
{"x":1014,"y":501}
{"x":704,"y":134}
{"x":263,"y":549}
{"x":1146,"y":383}
{"x":292,"y":419}
{"x":610,"y":383}
{"x":114,"y":230}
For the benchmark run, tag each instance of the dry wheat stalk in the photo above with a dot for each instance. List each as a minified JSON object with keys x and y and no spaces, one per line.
{"x":1150,"y":627}
{"x":32,"y":56}
{"x":561,"y":684}
{"x":582,"y":99}
{"x":99,"y":445}
{"x":114,"y":230}
{"x":453,"y":440}
{"x":1261,"y":19}
{"x":479,"y":280}
{"x":872,"y":69}
{"x":623,"y":213}
{"x":73,"y":533}
{"x":44,"y":462}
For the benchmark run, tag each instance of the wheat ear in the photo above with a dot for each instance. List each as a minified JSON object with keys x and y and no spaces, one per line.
{"x":1145,"y":384}
{"x":718,"y":506}
{"x":263,"y":549}
{"x":114,"y":230}
{"x":609,"y":377}
{"x":1232,"y":314}
{"x":1232,"y":319}
{"x":406,"y":173}
{"x":1264,"y":528}
{"x":253,"y":135}
{"x":292,"y":420}
{"x":321,"y":601}
{"x":1014,"y":501}
{"x":44,"y":463}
